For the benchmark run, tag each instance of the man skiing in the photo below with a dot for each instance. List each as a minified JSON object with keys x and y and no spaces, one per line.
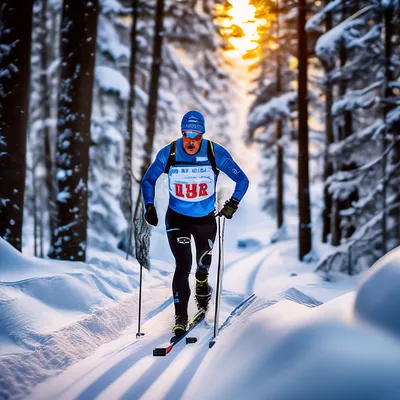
{"x":192,"y":164}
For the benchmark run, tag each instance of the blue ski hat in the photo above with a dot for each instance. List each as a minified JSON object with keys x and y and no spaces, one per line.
{"x":193,"y":120}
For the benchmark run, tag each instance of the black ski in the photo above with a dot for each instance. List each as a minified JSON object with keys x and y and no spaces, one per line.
{"x":195,"y":320}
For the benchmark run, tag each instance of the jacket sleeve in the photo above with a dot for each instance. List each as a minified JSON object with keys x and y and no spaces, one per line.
{"x":153,"y":173}
{"x":226,"y":164}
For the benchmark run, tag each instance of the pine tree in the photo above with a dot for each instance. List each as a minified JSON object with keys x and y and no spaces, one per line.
{"x":78,"y":50}
{"x":365,"y":179}
{"x":142,"y":232}
{"x":328,"y":167}
{"x":275,"y":99}
{"x":15,"y":50}
{"x":45,"y":101}
{"x":126,"y":191}
{"x":303,"y":158}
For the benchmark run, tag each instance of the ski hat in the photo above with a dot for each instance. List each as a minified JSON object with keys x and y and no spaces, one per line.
{"x":193,"y":120}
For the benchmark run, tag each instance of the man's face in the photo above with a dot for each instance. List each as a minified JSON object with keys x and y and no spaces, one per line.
{"x":191,"y":142}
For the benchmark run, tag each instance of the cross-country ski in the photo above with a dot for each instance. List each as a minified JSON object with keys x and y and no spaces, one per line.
{"x":194,"y":321}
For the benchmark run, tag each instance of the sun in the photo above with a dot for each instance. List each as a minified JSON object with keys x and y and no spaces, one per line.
{"x":243,"y":15}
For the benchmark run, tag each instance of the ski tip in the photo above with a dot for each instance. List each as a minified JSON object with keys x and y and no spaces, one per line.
{"x":191,"y":340}
{"x":160,"y":351}
{"x":211,"y":344}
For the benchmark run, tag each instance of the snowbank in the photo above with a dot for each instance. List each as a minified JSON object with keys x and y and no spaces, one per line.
{"x":326,"y":360}
{"x":288,"y":351}
{"x":378,"y":299}
{"x":54,"y":313}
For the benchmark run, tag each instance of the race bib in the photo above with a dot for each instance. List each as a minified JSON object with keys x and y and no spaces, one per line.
{"x":191,"y":183}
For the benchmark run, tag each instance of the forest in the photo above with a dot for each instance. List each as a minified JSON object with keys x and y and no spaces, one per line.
{"x":295,"y":283}
{"x":91,"y":90}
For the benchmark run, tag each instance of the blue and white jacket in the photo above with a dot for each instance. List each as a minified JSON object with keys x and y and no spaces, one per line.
{"x":192,"y":181}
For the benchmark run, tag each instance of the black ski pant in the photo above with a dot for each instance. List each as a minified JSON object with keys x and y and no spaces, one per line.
{"x":181,"y":229}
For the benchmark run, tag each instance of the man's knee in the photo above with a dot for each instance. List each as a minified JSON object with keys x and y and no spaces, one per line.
{"x":205,"y":262}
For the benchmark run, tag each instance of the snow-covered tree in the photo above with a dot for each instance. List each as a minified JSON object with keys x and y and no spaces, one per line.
{"x":275,"y":99}
{"x":192,"y":76}
{"x":15,"y":50}
{"x":78,"y":51}
{"x":362,"y":56}
{"x":39,"y":204}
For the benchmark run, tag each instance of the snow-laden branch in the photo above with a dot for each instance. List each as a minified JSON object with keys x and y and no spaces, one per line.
{"x":278,"y":108}
{"x":348,"y":176}
{"x":394,"y":115}
{"x":357,"y":138}
{"x":113,"y":7}
{"x":315,"y":22}
{"x":353,"y":101}
{"x":111,"y":80}
{"x":362,"y":232}
{"x":351,"y":104}
{"x":371,"y":36}
{"x":359,"y":206}
{"x":326,"y":46}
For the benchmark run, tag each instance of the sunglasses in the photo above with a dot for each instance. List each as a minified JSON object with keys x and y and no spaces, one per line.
{"x":192,"y":135}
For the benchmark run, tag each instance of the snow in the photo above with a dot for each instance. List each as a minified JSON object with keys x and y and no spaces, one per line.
{"x":327,"y":44}
{"x":275,"y":109}
{"x":111,"y":80}
{"x":377,"y":306}
{"x":111,"y":6}
{"x":318,"y":19}
{"x":68,"y":329}
{"x":108,"y":40}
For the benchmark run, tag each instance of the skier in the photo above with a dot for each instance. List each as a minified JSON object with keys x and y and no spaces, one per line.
{"x":192,"y":164}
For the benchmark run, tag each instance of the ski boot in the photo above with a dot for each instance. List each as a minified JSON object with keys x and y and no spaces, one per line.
{"x":203,"y":294}
{"x":180,"y":325}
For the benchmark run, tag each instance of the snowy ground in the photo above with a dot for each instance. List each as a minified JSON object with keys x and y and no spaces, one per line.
{"x":82,"y":318}
{"x":284,"y":345}
{"x":67,"y":330}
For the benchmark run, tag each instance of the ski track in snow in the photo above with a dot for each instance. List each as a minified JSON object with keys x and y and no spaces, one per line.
{"x":247,"y":270}
{"x":126,"y":368}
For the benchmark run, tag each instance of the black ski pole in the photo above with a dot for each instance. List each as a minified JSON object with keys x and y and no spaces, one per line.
{"x":139,"y":334}
{"x":136,"y":222}
{"x":219,"y":276}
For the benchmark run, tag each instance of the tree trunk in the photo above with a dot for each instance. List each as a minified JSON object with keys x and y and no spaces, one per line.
{"x":46,"y":98}
{"x":345,"y":130}
{"x":279,"y":175}
{"x":34,"y":208}
{"x":207,"y":7}
{"x":278,"y":136}
{"x":328,"y":167}
{"x":78,"y":51}
{"x":303,"y":173}
{"x":347,"y":127}
{"x":142,"y":230}
{"x":41,"y":227}
{"x":154,"y":84}
{"x":15,"y":67}
{"x":126,"y":198}
{"x":388,"y":32}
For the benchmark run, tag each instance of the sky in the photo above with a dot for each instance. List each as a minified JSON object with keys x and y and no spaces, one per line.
{"x":242,"y":15}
